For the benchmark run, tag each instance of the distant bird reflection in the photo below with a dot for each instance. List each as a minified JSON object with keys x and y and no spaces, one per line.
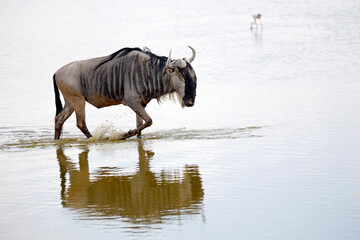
{"x":143,"y":196}
{"x":257,"y":37}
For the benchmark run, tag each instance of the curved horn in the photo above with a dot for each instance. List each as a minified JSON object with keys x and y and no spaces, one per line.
{"x":146,"y":49}
{"x":169,"y":59}
{"x":193,"y":54}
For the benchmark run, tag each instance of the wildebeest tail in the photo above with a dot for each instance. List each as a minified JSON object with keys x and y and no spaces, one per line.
{"x":58,"y":103}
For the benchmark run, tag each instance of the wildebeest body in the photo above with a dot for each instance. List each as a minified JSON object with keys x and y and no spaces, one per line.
{"x":130,"y":76}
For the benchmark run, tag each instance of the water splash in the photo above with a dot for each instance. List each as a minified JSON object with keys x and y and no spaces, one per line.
{"x":106,"y":131}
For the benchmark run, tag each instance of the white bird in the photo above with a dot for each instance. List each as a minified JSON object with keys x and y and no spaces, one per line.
{"x":256,"y":16}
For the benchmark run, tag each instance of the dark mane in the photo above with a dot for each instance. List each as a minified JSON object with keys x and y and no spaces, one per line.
{"x":158,"y":61}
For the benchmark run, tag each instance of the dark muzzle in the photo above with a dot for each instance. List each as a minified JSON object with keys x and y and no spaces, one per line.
{"x":189,"y":102}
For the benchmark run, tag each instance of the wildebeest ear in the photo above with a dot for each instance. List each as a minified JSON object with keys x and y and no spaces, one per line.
{"x":186,"y":60}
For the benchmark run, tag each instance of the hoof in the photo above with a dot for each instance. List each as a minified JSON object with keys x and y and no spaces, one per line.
{"x":138,"y":135}
{"x":127,"y":135}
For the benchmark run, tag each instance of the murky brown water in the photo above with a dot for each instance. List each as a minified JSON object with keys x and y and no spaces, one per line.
{"x":269,"y":151}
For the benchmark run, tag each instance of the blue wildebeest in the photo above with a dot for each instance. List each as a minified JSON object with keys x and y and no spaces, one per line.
{"x":130,"y":76}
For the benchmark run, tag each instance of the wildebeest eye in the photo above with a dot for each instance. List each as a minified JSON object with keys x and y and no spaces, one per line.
{"x":170,"y":71}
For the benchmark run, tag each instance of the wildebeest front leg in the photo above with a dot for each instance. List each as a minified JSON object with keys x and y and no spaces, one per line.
{"x":141,"y":115}
{"x":139,"y":122}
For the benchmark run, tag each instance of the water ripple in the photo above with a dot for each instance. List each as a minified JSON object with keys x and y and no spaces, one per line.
{"x":16,"y":138}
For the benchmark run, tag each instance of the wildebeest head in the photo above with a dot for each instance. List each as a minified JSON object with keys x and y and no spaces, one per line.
{"x":183,"y":78}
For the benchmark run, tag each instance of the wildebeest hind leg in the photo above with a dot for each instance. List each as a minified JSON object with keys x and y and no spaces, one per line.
{"x":141,"y":114}
{"x":79,"y":106}
{"x":61,"y":118}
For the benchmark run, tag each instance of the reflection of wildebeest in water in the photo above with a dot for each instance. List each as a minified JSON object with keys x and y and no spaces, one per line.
{"x":130,"y":76}
{"x":141,"y":197}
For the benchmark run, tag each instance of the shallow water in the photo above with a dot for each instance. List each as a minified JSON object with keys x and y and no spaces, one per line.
{"x":269,"y":151}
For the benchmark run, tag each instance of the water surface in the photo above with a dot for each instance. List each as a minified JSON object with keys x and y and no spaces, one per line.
{"x":269,"y":151}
